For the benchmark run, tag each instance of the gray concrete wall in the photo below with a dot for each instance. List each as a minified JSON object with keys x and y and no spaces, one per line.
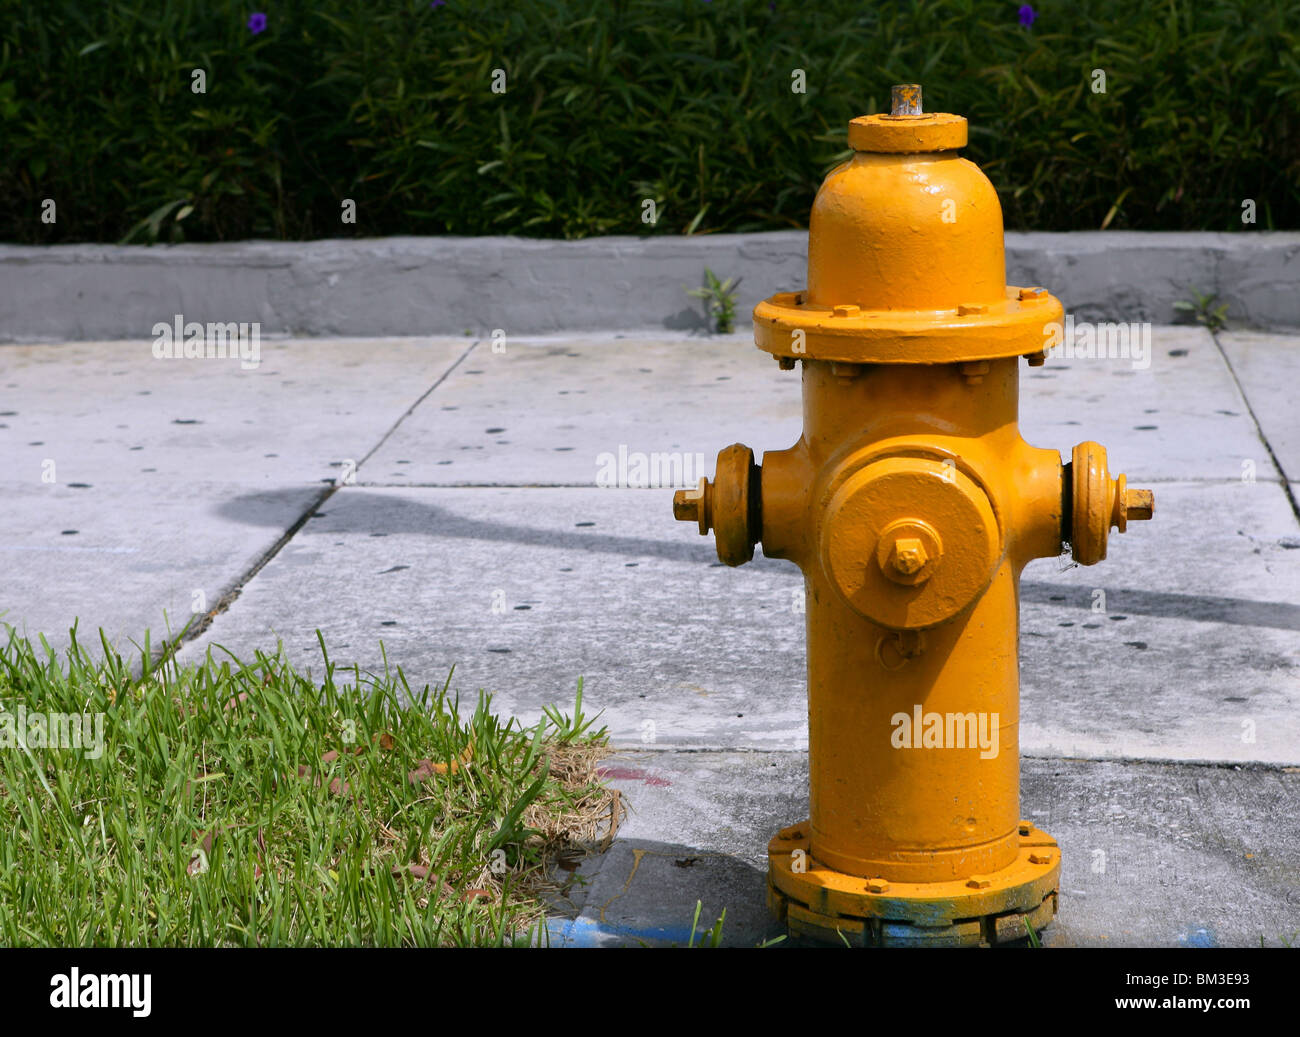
{"x":439,"y":286}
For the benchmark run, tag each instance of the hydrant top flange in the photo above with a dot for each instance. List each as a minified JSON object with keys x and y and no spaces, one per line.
{"x":787,"y":325}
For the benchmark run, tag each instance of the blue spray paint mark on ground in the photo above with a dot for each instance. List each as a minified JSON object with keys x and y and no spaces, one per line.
{"x":585,"y":932}
{"x":1200,"y":936}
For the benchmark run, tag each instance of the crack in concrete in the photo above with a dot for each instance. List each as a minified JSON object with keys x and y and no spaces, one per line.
{"x":1286,"y":480}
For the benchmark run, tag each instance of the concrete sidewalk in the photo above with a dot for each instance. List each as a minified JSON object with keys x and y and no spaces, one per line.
{"x":1161,"y":731}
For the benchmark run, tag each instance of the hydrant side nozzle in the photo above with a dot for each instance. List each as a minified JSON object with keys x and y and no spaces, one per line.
{"x":1096,"y":503}
{"x":736,"y":504}
{"x":730,"y":505}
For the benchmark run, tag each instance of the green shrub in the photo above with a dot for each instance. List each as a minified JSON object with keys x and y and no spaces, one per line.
{"x":612,"y":102}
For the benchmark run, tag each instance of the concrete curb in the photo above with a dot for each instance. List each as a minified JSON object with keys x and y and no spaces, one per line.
{"x":431,"y":286}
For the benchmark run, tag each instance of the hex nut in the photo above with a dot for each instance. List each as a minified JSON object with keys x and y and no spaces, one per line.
{"x":908,"y":555}
{"x":1139,"y":504}
{"x":695,"y":506}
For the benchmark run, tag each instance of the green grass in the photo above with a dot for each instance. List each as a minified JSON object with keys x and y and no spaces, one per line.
{"x":710,"y":937}
{"x":610,"y":103}
{"x":240,"y":803}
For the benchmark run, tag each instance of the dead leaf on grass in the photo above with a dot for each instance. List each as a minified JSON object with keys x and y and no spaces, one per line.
{"x":426,"y":769}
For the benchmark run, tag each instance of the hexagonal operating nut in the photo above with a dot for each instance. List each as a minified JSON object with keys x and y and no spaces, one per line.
{"x":1139,"y":505}
{"x":695,"y":506}
{"x":908,"y":551}
{"x":1130,"y":505}
{"x":908,"y":555}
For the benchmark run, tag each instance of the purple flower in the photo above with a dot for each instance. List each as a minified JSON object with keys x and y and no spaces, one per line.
{"x":438,"y":3}
{"x":256,"y":22}
{"x":1027,"y":15}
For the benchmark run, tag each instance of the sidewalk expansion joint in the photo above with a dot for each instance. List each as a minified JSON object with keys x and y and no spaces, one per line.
{"x":1285,"y":479}
{"x":194,"y":630}
{"x":411,"y":409}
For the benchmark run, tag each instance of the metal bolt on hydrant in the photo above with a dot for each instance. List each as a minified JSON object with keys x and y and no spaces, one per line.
{"x":911,"y":503}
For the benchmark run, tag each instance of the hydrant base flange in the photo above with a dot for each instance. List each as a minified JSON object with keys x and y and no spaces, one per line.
{"x":995,"y":908}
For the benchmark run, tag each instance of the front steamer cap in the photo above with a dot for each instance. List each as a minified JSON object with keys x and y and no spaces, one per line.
{"x":928,"y":507}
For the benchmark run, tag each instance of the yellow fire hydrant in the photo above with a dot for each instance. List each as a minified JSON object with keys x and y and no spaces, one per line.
{"x":911,"y":503}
